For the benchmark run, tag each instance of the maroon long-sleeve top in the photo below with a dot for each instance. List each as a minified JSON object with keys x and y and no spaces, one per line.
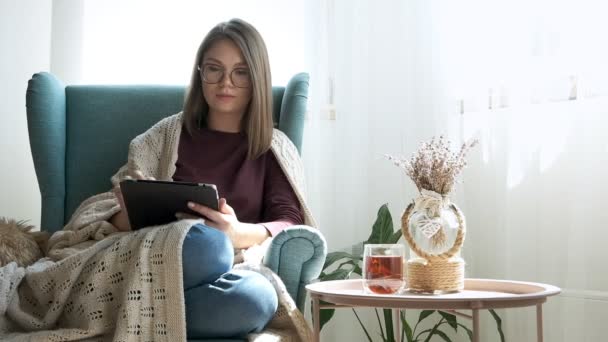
{"x":257,"y":190}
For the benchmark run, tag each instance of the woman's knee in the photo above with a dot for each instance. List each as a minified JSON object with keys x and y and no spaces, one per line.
{"x":207,"y":253}
{"x":254,"y":295}
{"x":242,"y":302}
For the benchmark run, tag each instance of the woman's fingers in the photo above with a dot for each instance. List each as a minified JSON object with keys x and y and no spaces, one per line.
{"x":201,"y":209}
{"x":225,"y":208}
{"x":207,"y":212}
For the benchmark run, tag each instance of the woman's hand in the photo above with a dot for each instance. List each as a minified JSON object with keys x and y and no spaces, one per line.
{"x":224,"y":219}
{"x":120,"y":220}
{"x":242,"y":235}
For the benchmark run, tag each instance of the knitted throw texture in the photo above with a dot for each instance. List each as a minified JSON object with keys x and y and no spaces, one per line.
{"x":99,"y":284}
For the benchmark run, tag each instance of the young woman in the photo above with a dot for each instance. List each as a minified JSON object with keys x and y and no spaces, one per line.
{"x":224,"y":137}
{"x":177,"y":281}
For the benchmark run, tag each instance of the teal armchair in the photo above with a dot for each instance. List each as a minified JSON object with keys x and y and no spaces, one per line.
{"x":79,"y":136}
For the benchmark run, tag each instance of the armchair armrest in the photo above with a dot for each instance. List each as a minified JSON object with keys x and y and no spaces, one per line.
{"x":297,"y":255}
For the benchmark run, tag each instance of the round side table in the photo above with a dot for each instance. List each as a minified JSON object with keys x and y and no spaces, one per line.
{"x":478,"y":294}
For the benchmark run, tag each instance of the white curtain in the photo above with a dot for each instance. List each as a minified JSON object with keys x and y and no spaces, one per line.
{"x":526,"y":78}
{"x":535,"y":211}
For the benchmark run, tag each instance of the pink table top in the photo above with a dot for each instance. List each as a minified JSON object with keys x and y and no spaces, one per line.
{"x":478,"y":293}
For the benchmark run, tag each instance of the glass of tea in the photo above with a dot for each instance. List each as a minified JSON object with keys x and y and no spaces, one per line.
{"x":383,"y":268}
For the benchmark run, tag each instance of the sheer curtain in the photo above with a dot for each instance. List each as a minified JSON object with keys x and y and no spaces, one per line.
{"x":526,"y":78}
{"x":533,"y":199}
{"x":536,"y":98}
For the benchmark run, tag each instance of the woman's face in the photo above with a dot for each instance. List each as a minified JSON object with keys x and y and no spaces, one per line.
{"x":226,"y":78}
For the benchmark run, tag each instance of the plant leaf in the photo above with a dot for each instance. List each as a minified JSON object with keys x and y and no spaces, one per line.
{"x":396,"y":236}
{"x":406,"y":329}
{"x":443,"y":335}
{"x":339,"y":274}
{"x":434,"y":330}
{"x":380,"y":324}
{"x":498,"y":324}
{"x":349,"y":262}
{"x":335,"y":256}
{"x":383,"y":227}
{"x":424,"y":314}
{"x":388,"y":323}
{"x":362,"y":326}
{"x":469,"y":331}
{"x":451,"y":319}
{"x":421,"y":333}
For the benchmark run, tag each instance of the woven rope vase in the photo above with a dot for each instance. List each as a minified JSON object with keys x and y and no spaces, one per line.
{"x":439,"y":273}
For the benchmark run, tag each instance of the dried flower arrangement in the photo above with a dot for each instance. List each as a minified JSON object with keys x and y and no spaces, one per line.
{"x":434,"y":166}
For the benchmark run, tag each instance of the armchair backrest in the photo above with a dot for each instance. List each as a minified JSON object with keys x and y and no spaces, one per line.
{"x":79,"y":135}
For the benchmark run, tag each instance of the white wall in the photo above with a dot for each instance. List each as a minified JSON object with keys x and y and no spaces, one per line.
{"x":25,"y":40}
{"x":67,"y":40}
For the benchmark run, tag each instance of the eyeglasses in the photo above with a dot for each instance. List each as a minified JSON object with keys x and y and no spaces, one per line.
{"x":212,"y":74}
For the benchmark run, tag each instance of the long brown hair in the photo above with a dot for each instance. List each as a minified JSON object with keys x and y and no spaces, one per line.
{"x":257,"y":122}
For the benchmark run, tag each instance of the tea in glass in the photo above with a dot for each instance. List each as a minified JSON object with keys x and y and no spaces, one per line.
{"x":383,"y":268}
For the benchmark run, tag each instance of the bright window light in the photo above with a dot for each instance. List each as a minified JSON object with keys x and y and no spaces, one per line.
{"x":155,"y":42}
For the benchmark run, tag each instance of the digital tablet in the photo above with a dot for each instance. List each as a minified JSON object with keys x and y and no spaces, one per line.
{"x":152,"y":202}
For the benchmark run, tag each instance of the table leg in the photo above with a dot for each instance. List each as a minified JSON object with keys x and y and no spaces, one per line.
{"x":475,"y":325}
{"x":539,"y":322}
{"x":397,"y":324}
{"x":315,"y":318}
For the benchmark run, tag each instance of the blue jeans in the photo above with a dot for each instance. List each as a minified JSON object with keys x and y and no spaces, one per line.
{"x":221,"y":302}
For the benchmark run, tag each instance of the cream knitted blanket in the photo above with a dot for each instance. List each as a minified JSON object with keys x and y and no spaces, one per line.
{"x":102,"y":284}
